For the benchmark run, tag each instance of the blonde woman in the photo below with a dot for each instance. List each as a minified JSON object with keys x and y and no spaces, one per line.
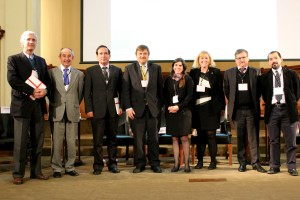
{"x":208,"y":105}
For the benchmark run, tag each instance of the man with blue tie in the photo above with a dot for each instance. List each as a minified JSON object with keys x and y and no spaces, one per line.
{"x":64,"y":111}
{"x":28,"y":106}
{"x":280,"y":91}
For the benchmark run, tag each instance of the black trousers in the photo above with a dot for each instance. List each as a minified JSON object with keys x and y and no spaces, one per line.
{"x":101,"y":126}
{"x":145,"y":129}
{"x":279,"y":121}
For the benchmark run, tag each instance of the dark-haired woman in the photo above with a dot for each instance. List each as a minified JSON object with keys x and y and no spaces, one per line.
{"x":178,"y":93}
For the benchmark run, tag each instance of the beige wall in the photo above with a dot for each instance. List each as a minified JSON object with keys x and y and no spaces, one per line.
{"x":57,"y":23}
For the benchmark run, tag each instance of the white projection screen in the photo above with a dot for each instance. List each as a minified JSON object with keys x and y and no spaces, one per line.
{"x":176,"y":28}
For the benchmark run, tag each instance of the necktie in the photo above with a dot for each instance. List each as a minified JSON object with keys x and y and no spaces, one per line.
{"x":66,"y":77}
{"x":105,"y":74}
{"x":278,"y":97}
{"x":242,"y":70}
{"x":144,"y":73}
{"x":32,"y":62}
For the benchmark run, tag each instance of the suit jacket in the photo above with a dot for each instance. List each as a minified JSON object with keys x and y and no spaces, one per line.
{"x":62,"y":101}
{"x":230,"y":88}
{"x":136,"y":97}
{"x":19,"y":70}
{"x":99,"y":96}
{"x":290,"y":89}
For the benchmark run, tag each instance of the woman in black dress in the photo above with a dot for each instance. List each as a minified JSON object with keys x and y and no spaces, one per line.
{"x":178,"y":93}
{"x":208,"y":106}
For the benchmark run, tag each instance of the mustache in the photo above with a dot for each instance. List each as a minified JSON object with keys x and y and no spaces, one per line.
{"x":274,"y":63}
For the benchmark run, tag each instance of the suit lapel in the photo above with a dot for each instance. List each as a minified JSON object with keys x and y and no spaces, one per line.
{"x":251,"y":75}
{"x":74,"y":75}
{"x":59,"y":77}
{"x":233,"y":79}
{"x":111,"y":73}
{"x":26,"y":63}
{"x":99,"y":71}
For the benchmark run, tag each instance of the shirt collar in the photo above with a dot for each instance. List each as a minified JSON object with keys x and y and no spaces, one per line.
{"x":279,"y":70}
{"x":244,"y":67}
{"x":104,"y":66}
{"x":62,"y":68}
{"x":29,"y":56}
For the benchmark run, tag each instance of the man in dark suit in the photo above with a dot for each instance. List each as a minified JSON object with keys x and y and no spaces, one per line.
{"x":64,"y":111}
{"x":280,"y":91}
{"x":28,"y":106}
{"x":102,"y":90}
{"x":241,"y":88}
{"x":142,"y":91}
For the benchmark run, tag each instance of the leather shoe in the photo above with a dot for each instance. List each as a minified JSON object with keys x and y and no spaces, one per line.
{"x":138,"y":169}
{"x":212,"y":166}
{"x":187,"y":169}
{"x":242,"y":168}
{"x":72,"y":173}
{"x":57,"y":175}
{"x":18,"y":181}
{"x":273,"y":170}
{"x":199,"y":165}
{"x":293,"y":172}
{"x":114,"y":169}
{"x":258,"y":168}
{"x":97,"y":171}
{"x":175,"y":169}
{"x":40,"y":177}
{"x":156,"y":169}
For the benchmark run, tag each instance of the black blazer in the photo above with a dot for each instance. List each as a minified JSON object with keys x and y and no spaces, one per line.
{"x":230,"y":88}
{"x":18,"y":71}
{"x":99,"y":96}
{"x":290,"y":89}
{"x":185,"y":94}
{"x":135,"y":96}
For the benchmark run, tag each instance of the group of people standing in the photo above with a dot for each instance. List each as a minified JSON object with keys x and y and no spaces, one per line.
{"x":191,"y":101}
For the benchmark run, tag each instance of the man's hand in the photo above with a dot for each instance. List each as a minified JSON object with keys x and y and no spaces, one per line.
{"x":173,"y":109}
{"x":130,"y":113}
{"x":39,"y":93}
{"x":120,"y":111}
{"x":90,"y":114}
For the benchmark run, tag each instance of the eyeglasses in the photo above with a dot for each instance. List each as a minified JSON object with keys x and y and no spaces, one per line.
{"x":241,"y":58}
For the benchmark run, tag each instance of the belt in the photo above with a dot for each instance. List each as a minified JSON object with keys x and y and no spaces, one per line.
{"x":279,"y":105}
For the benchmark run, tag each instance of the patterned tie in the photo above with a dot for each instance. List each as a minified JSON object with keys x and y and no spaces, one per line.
{"x":105,"y":74}
{"x":144,"y":73}
{"x":278,"y":97}
{"x":32,"y":62}
{"x":66,"y":77}
{"x":242,"y":70}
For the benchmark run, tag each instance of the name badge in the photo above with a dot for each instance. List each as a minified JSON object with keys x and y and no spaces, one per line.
{"x":144,"y":83}
{"x":278,"y":90}
{"x":200,"y":88}
{"x":243,"y":86}
{"x":175,"y":99}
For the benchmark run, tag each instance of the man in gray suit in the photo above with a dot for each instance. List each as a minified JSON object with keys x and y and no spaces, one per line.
{"x":143,"y":86}
{"x":102,"y":91}
{"x":241,"y":88}
{"x":64,"y":111}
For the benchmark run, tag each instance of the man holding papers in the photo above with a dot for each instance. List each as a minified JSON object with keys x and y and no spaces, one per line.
{"x":28,"y":106}
{"x":103,"y":83}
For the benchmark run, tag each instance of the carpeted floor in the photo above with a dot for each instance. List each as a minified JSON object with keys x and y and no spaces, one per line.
{"x":223,"y":183}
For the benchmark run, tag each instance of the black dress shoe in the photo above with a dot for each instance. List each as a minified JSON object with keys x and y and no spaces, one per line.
{"x":242,"y":168}
{"x":156,"y":169}
{"x":114,"y":169}
{"x":273,"y":170}
{"x":18,"y":181}
{"x":293,"y":172}
{"x":175,"y":169}
{"x":199,"y":165}
{"x":97,"y":171}
{"x":212,"y":166}
{"x":138,"y":169}
{"x":187,"y":169}
{"x":72,"y":173}
{"x":57,"y":175}
{"x":258,"y":168}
